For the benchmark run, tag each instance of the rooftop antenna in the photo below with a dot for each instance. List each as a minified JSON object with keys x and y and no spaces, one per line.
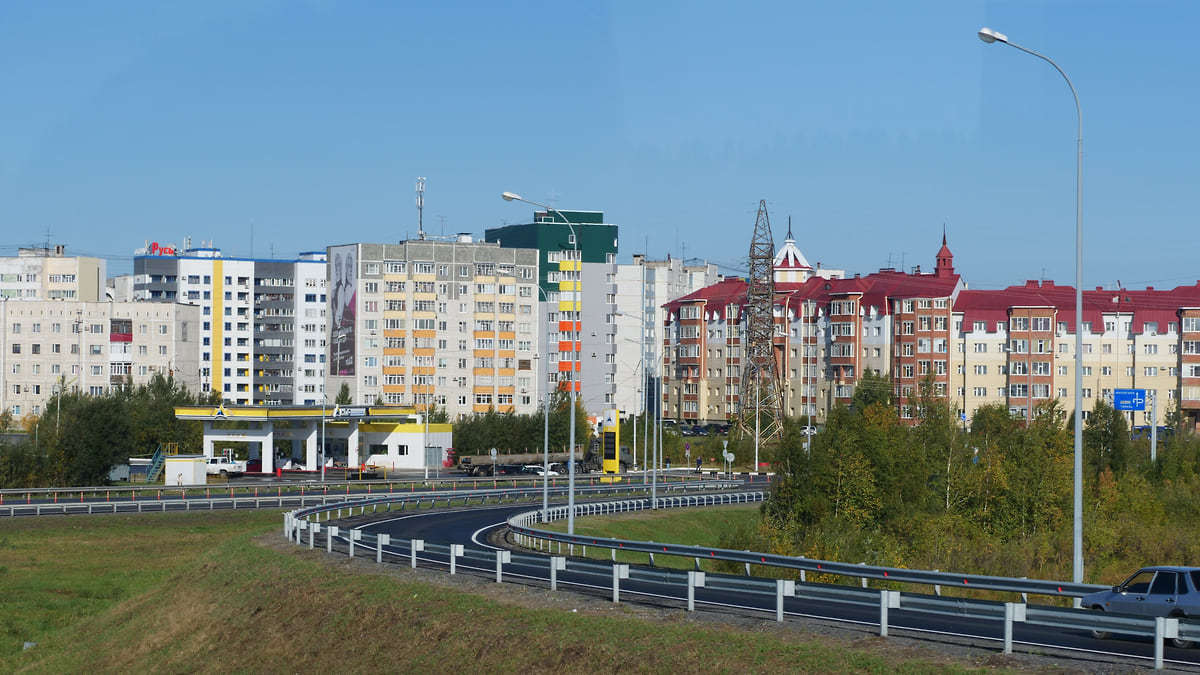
{"x":420,"y":207}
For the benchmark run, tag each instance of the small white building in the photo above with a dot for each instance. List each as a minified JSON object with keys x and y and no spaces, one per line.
{"x":185,"y":470}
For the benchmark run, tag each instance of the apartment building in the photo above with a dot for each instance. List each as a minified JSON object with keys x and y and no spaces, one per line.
{"x":577,"y":276}
{"x":446,"y":322}
{"x":92,"y":347}
{"x":48,"y":273}
{"x":262,"y":322}
{"x":643,"y":287}
{"x":1017,"y":347}
{"x":1012,"y":347}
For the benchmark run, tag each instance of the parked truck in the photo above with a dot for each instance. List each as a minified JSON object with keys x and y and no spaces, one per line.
{"x":484,"y":465}
{"x":225,"y":466}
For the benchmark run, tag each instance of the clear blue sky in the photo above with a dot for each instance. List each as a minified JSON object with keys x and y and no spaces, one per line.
{"x":870,"y":124}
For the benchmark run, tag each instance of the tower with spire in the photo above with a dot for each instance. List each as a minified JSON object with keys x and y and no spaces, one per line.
{"x":945,"y":260}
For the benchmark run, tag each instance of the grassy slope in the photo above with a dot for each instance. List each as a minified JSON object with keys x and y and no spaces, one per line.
{"x":197,"y":592}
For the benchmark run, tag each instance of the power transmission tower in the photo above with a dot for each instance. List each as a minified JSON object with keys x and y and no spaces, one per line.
{"x":760,"y":415}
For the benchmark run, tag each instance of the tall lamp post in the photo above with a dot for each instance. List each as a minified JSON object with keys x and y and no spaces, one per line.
{"x":324,"y":401}
{"x":576,"y":309}
{"x":989,"y":36}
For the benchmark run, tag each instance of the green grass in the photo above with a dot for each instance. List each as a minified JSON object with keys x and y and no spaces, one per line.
{"x":200,"y":592}
{"x":695,"y":527}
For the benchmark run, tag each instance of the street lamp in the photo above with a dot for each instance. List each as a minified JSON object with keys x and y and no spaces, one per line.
{"x":576,"y":307}
{"x":651,"y":460}
{"x":989,"y":36}
{"x":324,"y":400}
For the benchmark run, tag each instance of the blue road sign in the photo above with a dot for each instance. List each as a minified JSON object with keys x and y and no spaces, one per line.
{"x":1129,"y":399}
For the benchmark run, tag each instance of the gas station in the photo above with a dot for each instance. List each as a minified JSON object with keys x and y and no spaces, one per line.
{"x":392,"y":437}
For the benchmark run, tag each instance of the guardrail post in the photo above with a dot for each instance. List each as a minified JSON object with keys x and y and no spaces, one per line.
{"x":619,"y":572}
{"x":887,"y":600}
{"x":455,"y":551}
{"x":287,"y":523}
{"x":312,"y":533}
{"x":330,"y":533}
{"x":695,"y":579}
{"x":414,"y":546}
{"x":1013,"y":611}
{"x":355,"y":535}
{"x":501,"y":558}
{"x":937,"y":588}
{"x":864,"y":579}
{"x":1164,"y":628}
{"x":301,"y":526}
{"x":557,"y":563}
{"x":381,"y":541}
{"x":783,"y":587}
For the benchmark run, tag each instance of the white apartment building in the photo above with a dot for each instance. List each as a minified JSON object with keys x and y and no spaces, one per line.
{"x":92,"y":347}
{"x":262,"y":322}
{"x":643,"y":287}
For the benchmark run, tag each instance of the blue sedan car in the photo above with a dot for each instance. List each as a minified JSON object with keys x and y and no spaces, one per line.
{"x":1152,"y":591}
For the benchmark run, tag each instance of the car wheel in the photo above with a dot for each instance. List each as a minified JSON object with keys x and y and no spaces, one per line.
{"x":224,"y":473}
{"x":1100,"y":634}
{"x":1179,"y":643}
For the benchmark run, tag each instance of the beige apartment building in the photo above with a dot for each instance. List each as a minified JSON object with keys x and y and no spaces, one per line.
{"x":92,"y":347}
{"x":445,"y":322}
{"x":48,"y":273}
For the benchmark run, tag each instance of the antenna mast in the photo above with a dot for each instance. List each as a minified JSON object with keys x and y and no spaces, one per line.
{"x":420,"y":207}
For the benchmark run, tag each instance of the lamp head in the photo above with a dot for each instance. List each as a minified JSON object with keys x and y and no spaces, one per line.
{"x":989,"y":36}
{"x":511,"y":196}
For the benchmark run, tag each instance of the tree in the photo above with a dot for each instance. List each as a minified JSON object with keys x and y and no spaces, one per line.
{"x":1105,"y":440}
{"x":343,"y":395}
{"x":437,"y":415}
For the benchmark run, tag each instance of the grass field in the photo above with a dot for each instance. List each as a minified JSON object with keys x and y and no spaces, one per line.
{"x":221,"y":592}
{"x":696,"y":527}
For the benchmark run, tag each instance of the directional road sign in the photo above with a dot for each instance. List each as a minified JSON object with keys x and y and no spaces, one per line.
{"x":1129,"y":399}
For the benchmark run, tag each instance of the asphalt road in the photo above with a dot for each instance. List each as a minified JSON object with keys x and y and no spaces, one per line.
{"x":472,"y":528}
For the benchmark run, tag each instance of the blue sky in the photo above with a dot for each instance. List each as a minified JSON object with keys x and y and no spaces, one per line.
{"x":273,"y":127}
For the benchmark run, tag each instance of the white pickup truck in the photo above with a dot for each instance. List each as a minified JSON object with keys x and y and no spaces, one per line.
{"x":224,"y":466}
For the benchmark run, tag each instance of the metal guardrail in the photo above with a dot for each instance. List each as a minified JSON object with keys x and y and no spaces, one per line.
{"x":523,"y":526}
{"x":266,"y":487}
{"x":305,"y":524}
{"x":167,"y":501}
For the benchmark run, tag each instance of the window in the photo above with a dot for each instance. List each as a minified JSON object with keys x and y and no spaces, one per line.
{"x":1151,"y":371}
{"x":980,"y":347}
{"x":981,"y":370}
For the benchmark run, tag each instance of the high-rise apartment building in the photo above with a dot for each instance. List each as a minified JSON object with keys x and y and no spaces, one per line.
{"x":643,"y":287}
{"x":576,"y":255}
{"x":262,"y":322}
{"x":446,"y":322}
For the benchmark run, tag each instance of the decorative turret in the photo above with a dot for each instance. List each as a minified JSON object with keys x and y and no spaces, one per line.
{"x":945,"y":260}
{"x":790,"y":265}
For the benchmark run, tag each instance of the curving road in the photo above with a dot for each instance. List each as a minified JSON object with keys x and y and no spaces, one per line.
{"x":471,"y":528}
